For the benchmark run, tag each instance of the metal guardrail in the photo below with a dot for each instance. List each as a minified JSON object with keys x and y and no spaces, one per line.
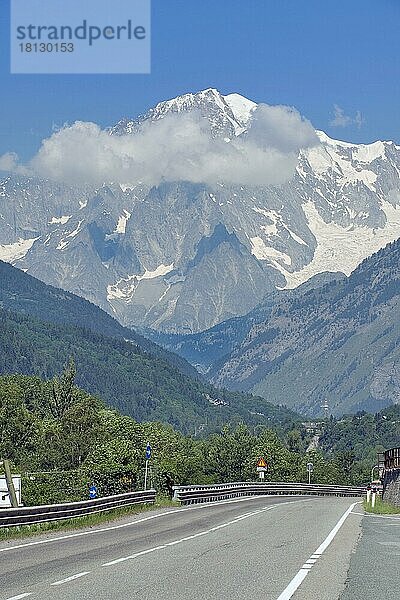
{"x":29,"y":515}
{"x":208,"y":493}
{"x":392,"y":459}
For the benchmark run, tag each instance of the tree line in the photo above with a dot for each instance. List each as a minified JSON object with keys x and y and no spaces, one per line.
{"x":62,"y":439}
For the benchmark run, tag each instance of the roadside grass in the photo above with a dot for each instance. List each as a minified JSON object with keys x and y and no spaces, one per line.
{"x":381,"y":508}
{"x":12,"y":533}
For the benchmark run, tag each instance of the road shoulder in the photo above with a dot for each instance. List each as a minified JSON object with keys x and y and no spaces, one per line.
{"x":327,"y":579}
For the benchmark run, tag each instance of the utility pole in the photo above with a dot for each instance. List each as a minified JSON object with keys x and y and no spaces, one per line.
{"x":10,"y":484}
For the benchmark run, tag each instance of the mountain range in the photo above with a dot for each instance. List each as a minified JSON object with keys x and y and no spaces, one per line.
{"x":182,"y":257}
{"x":333,"y":339}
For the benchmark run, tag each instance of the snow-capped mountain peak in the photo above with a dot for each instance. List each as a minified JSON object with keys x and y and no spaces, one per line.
{"x":227,"y":115}
{"x":184,"y":256}
{"x":188,"y":102}
{"x":241,"y":107}
{"x":361,"y":152}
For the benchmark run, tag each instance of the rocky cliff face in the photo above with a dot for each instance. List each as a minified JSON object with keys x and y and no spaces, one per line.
{"x":182,"y":257}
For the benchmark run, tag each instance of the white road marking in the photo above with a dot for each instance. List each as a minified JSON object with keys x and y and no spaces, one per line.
{"x":149,"y":518}
{"x":305,"y":569}
{"x":194,"y":536}
{"x":119,"y":560}
{"x":321,"y":549}
{"x":379,"y":516}
{"x":71,"y":578}
{"x":294,"y":585}
{"x":246,"y":516}
{"x":20,"y":596}
{"x":219,"y":527}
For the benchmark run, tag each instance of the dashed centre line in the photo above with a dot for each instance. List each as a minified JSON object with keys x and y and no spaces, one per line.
{"x":71,"y":578}
{"x":162,"y":546}
{"x":190,"y":537}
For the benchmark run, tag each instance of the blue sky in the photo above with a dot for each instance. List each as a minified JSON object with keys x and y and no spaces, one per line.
{"x":310,"y":54}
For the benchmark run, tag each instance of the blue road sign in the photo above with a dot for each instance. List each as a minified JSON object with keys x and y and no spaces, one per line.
{"x":93,"y":492}
{"x":148,"y":451}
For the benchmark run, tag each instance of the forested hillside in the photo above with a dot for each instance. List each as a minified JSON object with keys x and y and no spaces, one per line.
{"x":62,"y":439}
{"x":139,"y":384}
{"x":356,"y":439}
{"x":21,"y":293}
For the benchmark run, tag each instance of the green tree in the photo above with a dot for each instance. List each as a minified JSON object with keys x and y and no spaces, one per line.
{"x":63,"y":390}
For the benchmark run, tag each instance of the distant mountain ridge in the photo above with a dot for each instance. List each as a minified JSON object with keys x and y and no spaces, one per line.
{"x":338,"y":343}
{"x":208,"y":349}
{"x":182,"y":257}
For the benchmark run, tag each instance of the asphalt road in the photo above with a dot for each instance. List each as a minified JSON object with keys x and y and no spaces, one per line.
{"x":255,"y":548}
{"x":374,"y":568}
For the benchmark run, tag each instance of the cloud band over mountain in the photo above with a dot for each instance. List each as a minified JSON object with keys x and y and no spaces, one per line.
{"x":174,"y":148}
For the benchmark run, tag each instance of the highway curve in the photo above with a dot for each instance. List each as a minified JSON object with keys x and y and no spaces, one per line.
{"x":249,"y":548}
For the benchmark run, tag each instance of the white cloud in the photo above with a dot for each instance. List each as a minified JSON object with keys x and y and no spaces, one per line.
{"x":8,"y":161}
{"x":340,"y":119}
{"x":175,"y":148}
{"x":282,"y":128}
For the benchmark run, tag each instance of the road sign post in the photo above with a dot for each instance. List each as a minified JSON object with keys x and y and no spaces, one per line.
{"x":261,"y":468}
{"x":148,"y":457}
{"x":310,"y":469}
